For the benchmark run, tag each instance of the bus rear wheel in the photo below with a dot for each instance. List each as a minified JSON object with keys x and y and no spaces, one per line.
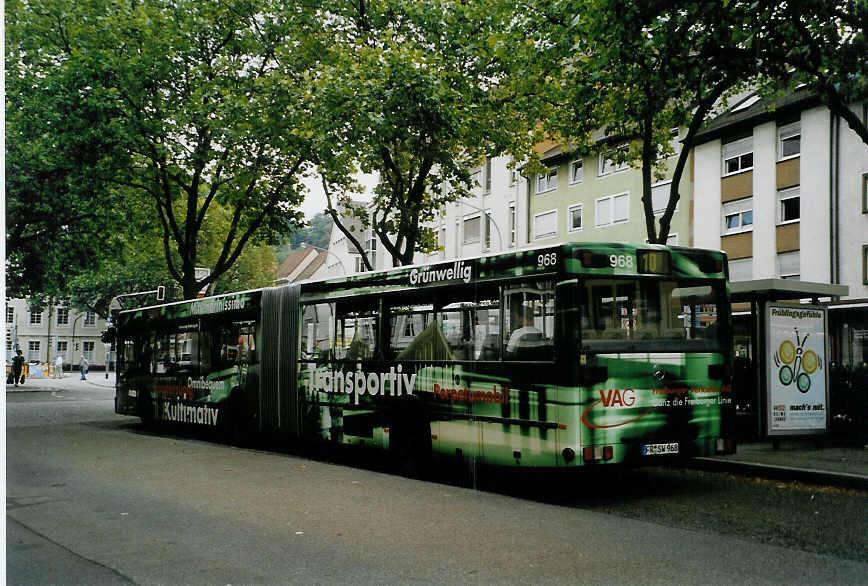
{"x":146,"y":409}
{"x":411,"y":446}
{"x":238,"y":429}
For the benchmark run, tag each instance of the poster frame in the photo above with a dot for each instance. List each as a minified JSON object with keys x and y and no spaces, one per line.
{"x":771,"y":370}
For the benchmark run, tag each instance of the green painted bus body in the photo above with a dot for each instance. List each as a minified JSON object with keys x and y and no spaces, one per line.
{"x":600,"y":397}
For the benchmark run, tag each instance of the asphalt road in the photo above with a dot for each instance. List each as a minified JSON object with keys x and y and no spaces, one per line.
{"x":92,"y":498}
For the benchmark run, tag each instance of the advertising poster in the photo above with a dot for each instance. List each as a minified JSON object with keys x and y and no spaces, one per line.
{"x":797,"y":369}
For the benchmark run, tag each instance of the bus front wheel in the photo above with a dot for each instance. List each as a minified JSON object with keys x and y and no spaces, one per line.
{"x":145,"y":408}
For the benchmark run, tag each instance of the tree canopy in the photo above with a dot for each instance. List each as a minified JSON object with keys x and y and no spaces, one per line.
{"x":411,"y":91}
{"x":617,"y":71}
{"x":197,"y":110}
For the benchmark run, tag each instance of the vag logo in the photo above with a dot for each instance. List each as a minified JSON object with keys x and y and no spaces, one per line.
{"x":614,"y":398}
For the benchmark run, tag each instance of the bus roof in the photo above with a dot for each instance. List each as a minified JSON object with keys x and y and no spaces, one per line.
{"x":564,"y":259}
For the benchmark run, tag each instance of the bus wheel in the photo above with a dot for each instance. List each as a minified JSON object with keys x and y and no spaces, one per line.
{"x":146,"y":409}
{"x":411,"y":446}
{"x":239,"y":422}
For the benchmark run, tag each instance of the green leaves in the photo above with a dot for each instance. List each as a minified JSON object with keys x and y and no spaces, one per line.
{"x":409,"y":90}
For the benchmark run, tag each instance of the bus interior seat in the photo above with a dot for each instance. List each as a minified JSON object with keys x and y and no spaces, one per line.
{"x":490,"y":347}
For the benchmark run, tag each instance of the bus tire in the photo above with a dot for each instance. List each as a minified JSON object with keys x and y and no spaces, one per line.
{"x":410,"y":442}
{"x":238,"y":433}
{"x":146,"y":409}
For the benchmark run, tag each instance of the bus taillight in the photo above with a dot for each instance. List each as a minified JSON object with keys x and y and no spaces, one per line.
{"x":595,"y":453}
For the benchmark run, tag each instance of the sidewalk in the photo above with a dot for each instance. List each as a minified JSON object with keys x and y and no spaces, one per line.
{"x":820,"y":460}
{"x":70,"y":380}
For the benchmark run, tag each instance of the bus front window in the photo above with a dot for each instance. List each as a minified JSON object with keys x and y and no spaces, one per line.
{"x":650,"y":315}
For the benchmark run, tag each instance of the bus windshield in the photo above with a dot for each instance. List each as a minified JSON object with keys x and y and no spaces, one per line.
{"x":623,"y":315}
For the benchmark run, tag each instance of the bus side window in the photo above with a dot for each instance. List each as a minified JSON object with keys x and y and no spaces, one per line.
{"x":529,"y":322}
{"x":247,"y":345}
{"x":163,"y":354}
{"x":409,"y":335}
{"x":206,"y":349}
{"x":317,"y":331}
{"x":356,"y":337}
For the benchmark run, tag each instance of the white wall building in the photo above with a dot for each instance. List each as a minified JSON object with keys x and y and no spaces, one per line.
{"x":57,"y":329}
{"x":784,"y":191}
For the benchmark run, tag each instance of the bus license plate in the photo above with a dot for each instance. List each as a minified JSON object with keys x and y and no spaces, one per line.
{"x":659,"y":449}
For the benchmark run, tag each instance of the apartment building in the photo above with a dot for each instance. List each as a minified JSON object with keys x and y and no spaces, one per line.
{"x":43,"y":333}
{"x":593,"y":198}
{"x":782,"y":187}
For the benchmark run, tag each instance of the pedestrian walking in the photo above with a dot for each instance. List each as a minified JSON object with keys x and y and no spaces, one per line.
{"x":82,"y":366}
{"x":18,"y":368}
{"x":58,"y":366}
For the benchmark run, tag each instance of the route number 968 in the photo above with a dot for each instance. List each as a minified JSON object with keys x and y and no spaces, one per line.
{"x":621,"y":261}
{"x":547,"y":260}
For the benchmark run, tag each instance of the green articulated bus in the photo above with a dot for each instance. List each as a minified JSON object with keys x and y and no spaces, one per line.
{"x":581,"y":354}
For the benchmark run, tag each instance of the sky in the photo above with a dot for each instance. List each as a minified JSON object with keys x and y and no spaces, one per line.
{"x":315,"y":201}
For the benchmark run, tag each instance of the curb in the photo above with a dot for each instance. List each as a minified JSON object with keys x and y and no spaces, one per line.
{"x":777,"y":472}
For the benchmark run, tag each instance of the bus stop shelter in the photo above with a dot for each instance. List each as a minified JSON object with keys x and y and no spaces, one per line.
{"x":758,"y":363}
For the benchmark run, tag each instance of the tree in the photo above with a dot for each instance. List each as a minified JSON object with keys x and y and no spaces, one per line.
{"x":317,"y":232}
{"x":409,"y":91}
{"x":60,"y":147}
{"x":135,"y":263}
{"x":821,"y":45}
{"x":639,"y":69}
{"x":193,"y":95}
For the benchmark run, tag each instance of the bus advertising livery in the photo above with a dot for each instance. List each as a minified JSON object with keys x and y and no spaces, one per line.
{"x":575,"y":355}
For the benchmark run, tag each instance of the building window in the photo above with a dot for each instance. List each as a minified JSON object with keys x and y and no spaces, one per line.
{"x":614,"y":209}
{"x":8,"y":343}
{"x":360,"y":265}
{"x":488,"y":230}
{"x":90,"y":320}
{"x":487,"y":175}
{"x":788,"y":205}
{"x":746,"y":103}
{"x":660,"y":197}
{"x":789,"y":140}
{"x":87,"y":350}
{"x":788,"y":265}
{"x":371,"y":249}
{"x":545,"y":225}
{"x":441,"y":241}
{"x":35,"y":318}
{"x":741,"y":270}
{"x":475,"y":177}
{"x":737,"y":216}
{"x":865,"y":264}
{"x":512,"y":224}
{"x":33,"y":350}
{"x":576,"y":171}
{"x":547,"y":181}
{"x":738,"y":156}
{"x":457,"y":238}
{"x":62,"y":316}
{"x":472,"y":229}
{"x":608,"y":164}
{"x":63,"y":349}
{"x":574,"y":217}
{"x":864,"y":196}
{"x":10,"y":315}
